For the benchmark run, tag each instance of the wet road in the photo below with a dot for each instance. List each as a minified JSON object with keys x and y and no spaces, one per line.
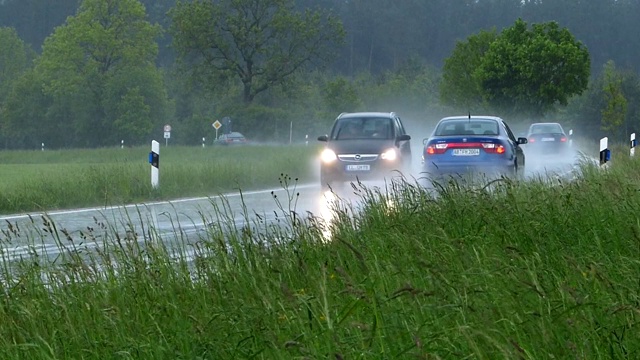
{"x":25,"y":235}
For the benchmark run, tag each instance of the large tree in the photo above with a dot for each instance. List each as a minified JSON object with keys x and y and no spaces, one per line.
{"x":527,"y":71}
{"x":259,"y":42}
{"x":15,"y":59}
{"x":99,"y":70}
{"x":460,"y":87}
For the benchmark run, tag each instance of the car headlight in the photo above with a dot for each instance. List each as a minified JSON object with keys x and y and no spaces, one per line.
{"x":390,"y":155}
{"x":328,"y":156}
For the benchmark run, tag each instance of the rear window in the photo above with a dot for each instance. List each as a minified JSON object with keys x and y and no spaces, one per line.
{"x":363,"y":128}
{"x":546,"y":129}
{"x":467,"y":127}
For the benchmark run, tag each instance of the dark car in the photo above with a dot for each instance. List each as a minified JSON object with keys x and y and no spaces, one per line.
{"x":364,"y":146}
{"x":461,"y":145}
{"x":232,"y":138}
{"x":547,"y":138}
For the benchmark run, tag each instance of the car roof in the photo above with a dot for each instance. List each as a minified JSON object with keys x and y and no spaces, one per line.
{"x":367,"y":114}
{"x":466,"y":117}
{"x":546,"y":123}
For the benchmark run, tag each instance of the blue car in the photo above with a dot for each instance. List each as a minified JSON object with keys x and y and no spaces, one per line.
{"x":460,"y":145}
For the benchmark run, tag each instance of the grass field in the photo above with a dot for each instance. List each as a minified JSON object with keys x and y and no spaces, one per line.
{"x":529,"y":271}
{"x":46,"y":180}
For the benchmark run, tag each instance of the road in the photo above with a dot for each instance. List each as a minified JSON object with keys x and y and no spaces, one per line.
{"x":182,"y":220}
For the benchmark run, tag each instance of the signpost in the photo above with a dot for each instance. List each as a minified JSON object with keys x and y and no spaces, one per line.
{"x":167,"y":134}
{"x":216,"y":125}
{"x":632,"y":151}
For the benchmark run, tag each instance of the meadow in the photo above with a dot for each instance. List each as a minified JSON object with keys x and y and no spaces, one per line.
{"x":528,"y":270}
{"x":55,"y":179}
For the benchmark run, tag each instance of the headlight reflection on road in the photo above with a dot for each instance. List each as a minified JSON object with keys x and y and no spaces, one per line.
{"x":327,"y":202}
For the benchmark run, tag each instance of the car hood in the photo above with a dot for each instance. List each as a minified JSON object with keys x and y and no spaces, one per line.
{"x":368,"y":146}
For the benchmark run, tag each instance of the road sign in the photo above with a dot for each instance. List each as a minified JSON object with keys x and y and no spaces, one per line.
{"x":167,"y":135}
{"x":217,"y":124}
{"x":167,"y":128}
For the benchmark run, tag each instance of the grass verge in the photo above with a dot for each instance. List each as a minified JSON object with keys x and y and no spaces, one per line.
{"x":48,"y":180}
{"x":526,"y":271}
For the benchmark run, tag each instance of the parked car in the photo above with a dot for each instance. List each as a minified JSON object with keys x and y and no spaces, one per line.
{"x":547,"y":138}
{"x":232,"y":138}
{"x":460,"y":145}
{"x":364,"y":146}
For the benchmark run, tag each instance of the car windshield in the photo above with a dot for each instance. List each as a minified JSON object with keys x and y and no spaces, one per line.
{"x":467,"y":127}
{"x":362,"y":128}
{"x":545,"y":129}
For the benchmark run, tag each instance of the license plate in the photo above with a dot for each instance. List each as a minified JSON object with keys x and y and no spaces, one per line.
{"x":358,"y":168}
{"x":466,"y":152}
{"x":548,"y":139}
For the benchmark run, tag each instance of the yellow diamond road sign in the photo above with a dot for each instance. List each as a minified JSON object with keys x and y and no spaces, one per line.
{"x":217,"y":124}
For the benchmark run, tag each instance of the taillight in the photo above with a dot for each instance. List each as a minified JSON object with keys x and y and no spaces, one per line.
{"x":436,"y":149}
{"x":493,"y":148}
{"x":563,"y":139}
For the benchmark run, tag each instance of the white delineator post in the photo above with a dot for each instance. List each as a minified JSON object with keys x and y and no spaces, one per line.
{"x":571,"y":138}
{"x":605,"y":155}
{"x":154,"y":160}
{"x":632,"y":144}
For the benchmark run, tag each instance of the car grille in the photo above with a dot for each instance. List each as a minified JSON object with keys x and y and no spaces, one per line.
{"x":358,"y":157}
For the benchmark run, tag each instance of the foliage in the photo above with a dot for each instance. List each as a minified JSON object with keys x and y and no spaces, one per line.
{"x":98,"y":69}
{"x":615,"y":110}
{"x":527,"y":72}
{"x":585,"y":112}
{"x":461,"y":86}
{"x":259,"y":43}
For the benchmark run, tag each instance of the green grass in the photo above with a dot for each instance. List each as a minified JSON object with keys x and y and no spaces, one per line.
{"x":46,"y":180}
{"x":528,"y":271}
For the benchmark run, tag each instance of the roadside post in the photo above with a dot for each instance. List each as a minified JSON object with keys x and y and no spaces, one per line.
{"x":570,"y":137}
{"x":203,"y":143}
{"x":121,"y":144}
{"x":306,"y":140}
{"x":632,"y":144}
{"x":154,"y":160}
{"x":605,"y":153}
{"x":42,"y":147}
{"x":167,"y":134}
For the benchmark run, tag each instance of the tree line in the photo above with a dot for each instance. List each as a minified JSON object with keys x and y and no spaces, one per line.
{"x":102,"y":72}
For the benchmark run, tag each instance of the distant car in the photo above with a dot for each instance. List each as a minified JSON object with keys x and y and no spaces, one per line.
{"x":364,"y":146}
{"x":547,"y":138}
{"x":232,"y":138}
{"x":460,"y":145}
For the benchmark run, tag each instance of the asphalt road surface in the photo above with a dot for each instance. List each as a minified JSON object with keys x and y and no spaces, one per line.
{"x":25,"y":235}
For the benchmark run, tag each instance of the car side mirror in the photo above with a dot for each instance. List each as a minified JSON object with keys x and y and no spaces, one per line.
{"x":324,"y":138}
{"x":425,"y":141}
{"x":404,"y":137}
{"x":522,"y":140}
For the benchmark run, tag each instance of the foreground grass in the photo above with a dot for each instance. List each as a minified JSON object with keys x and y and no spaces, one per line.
{"x":47,"y":180}
{"x":528,"y":271}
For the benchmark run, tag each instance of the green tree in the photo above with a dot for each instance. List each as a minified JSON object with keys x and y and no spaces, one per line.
{"x":528,"y":71}
{"x":99,"y":70}
{"x":15,"y":59}
{"x":614,"y":111}
{"x":461,"y":86}
{"x":258,"y":42}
